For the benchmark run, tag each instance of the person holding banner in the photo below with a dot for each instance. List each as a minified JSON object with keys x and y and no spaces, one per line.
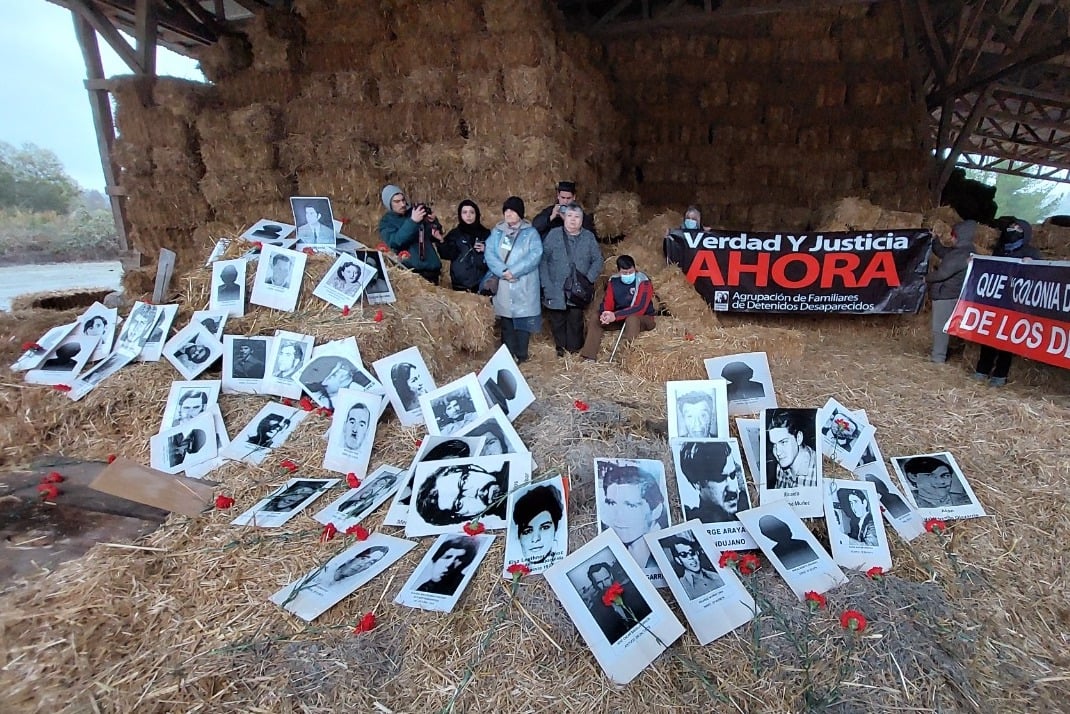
{"x":628,"y":305}
{"x":945,"y":283}
{"x":995,"y":364}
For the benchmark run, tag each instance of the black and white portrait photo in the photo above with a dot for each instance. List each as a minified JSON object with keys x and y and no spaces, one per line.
{"x":450,"y":408}
{"x":626,"y":633}
{"x":352,"y":432}
{"x":244,"y":363}
{"x":213,"y":320}
{"x":99,"y":321}
{"x":284,"y":502}
{"x":91,"y":378}
{"x":316,"y":592}
{"x":270,"y":232}
{"x":893,"y":504}
{"x":267,"y":430}
{"x":228,"y":286}
{"x":698,"y":409}
{"x":791,"y":459}
{"x":354,"y":505}
{"x":856,"y":530}
{"x":378,"y":291}
{"x":188,"y":444}
{"x":749,"y":381}
{"x":406,"y":379}
{"x":152,"y":350}
{"x":845,"y":434}
{"x":66,"y":361}
{"x":792,"y":548}
{"x":537,"y":535}
{"x":446,"y":495}
{"x":432,"y":448}
{"x":278,"y":278}
{"x":712,"y":598}
{"x":444,"y":572}
{"x":344,"y":282}
{"x":713,"y":488}
{"x":501,"y":437}
{"x":42,"y":348}
{"x":288,"y":354}
{"x":189,"y":400}
{"x":192,"y":350}
{"x":314,"y":220}
{"x":324,"y":377}
{"x":937,"y":486}
{"x":504,"y":385}
{"x":631,"y":500}
{"x":137,"y":327}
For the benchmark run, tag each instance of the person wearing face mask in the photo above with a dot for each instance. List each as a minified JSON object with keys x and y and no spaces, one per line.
{"x":628,"y":305}
{"x":464,"y":247}
{"x":513,"y":252}
{"x":692,"y":222}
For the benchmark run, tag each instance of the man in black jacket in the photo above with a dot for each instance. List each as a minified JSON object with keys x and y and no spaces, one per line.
{"x":553,"y":216}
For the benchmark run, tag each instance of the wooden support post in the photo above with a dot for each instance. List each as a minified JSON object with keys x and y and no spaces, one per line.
{"x":103,"y":121}
{"x":968,"y":127}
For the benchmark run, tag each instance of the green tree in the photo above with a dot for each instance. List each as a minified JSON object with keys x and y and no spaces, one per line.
{"x":33,"y":179}
{"x":1026,"y":198}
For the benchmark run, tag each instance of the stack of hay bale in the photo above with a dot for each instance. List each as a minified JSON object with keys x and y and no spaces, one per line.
{"x":761,"y":119}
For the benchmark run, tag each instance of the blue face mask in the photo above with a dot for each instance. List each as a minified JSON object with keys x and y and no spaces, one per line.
{"x":628,"y":279}
{"x":690,"y":224}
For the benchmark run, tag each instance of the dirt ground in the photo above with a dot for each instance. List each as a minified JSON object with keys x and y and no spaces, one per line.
{"x":975,"y":624}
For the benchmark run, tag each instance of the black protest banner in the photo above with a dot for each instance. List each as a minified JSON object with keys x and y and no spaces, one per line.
{"x":1016,"y":306}
{"x":852,"y":273}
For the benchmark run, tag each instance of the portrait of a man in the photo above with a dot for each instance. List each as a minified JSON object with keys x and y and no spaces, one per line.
{"x":457,"y":493}
{"x":228,"y":289}
{"x":366,"y":496}
{"x":315,"y":221}
{"x":449,"y":565}
{"x":933,"y":482}
{"x":291,"y":497}
{"x":632,"y":503}
{"x":248,"y":360}
{"x":616,"y":619}
{"x":325,"y":376}
{"x":355,"y":431}
{"x":696,"y":415}
{"x":691,"y":565}
{"x":190,"y":406}
{"x":181,"y":446}
{"x":281,"y":269}
{"x":794,"y":461}
{"x":136,"y":331}
{"x":453,"y":412}
{"x":713,"y":470}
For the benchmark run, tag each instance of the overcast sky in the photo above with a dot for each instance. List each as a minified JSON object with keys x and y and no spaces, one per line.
{"x":45,"y":99}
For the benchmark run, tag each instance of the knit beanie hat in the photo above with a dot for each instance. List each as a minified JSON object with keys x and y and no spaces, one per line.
{"x":514,"y":203}
{"x":389,"y":191}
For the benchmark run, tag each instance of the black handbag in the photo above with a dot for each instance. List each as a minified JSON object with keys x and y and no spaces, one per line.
{"x":578,"y":289}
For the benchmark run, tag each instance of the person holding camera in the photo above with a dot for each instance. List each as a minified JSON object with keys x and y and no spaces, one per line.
{"x":553,"y":216}
{"x":564,"y":250}
{"x":464,"y":247}
{"x":412,"y":231}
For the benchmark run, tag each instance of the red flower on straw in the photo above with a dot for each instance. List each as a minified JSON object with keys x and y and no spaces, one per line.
{"x":613,"y":593}
{"x":404,"y":255}
{"x":325,"y":412}
{"x":289,"y":465}
{"x":28,"y":346}
{"x":853,"y":620}
{"x":729,"y":557}
{"x":748,"y":564}
{"x":352,"y":481}
{"x":111,"y":458}
{"x":366,"y":624}
{"x":689,"y":337}
{"x":383,"y":248}
{"x":287,"y":402}
{"x":343,"y":221}
{"x":345,"y":311}
{"x":518,"y":570}
{"x":306,"y":403}
{"x":48,"y":491}
{"x":875,"y":573}
{"x":223,"y":502}
{"x":62,"y":388}
{"x":378,"y":316}
{"x":580,"y":405}
{"x":359,"y":531}
{"x":328,"y":533}
{"x":258,"y":245}
{"x":935,"y":525}
{"x":53,"y":477}
{"x":473,"y":528}
{"x":308,"y":251}
{"x":418,"y":442}
{"x":815,"y":600}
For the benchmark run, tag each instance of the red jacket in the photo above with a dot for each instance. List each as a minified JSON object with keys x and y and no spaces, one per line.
{"x":634,"y":299}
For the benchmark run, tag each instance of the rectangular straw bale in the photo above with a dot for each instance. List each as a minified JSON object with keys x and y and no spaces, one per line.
{"x":182,"y":97}
{"x":431,"y":85}
{"x":224,"y":58}
{"x":134,"y":160}
{"x":179,"y":162}
{"x":899,"y":219}
{"x":511,"y":16}
{"x":164,"y":202}
{"x":251,"y":86}
{"x":256,"y":120}
{"x":480,"y":87}
{"x":353,"y":186}
{"x":521,"y":48}
{"x":525,"y":86}
{"x":316,"y":87}
{"x":514,"y":121}
{"x":426,"y":122}
{"x":296,"y":151}
{"x":356,"y":87}
{"x":229,"y":190}
{"x":239,"y":154}
{"x":355,"y":23}
{"x":336,"y":55}
{"x":438,"y":18}
{"x":853,"y":213}
{"x":477,"y":54}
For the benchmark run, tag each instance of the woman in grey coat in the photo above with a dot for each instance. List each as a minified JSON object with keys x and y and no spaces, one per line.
{"x":513,"y":252}
{"x":566,"y":318}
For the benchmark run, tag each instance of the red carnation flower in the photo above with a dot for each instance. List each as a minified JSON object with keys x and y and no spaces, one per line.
{"x":62,"y":388}
{"x":343,"y":221}
{"x":404,"y":255}
{"x":258,"y":245}
{"x":289,"y":465}
{"x":383,"y":248}
{"x":111,"y":458}
{"x":31,"y":346}
{"x":748,"y":564}
{"x":325,"y":412}
{"x":876,"y":572}
{"x":345,"y":311}
{"x":727,"y":558}
{"x":306,"y":403}
{"x":580,"y":405}
{"x":853,"y":620}
{"x":287,"y":402}
{"x":328,"y":533}
{"x":48,"y":491}
{"x":53,"y":477}
{"x":518,"y":570}
{"x":418,"y":442}
{"x":935,"y":525}
{"x":352,"y":481}
{"x":473,"y":528}
{"x":815,"y":600}
{"x":308,"y":251}
{"x":359,"y":531}
{"x":223,"y":502}
{"x":378,"y":316}
{"x":689,"y":337}
{"x":366,"y":624}
{"x":612,"y":594}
